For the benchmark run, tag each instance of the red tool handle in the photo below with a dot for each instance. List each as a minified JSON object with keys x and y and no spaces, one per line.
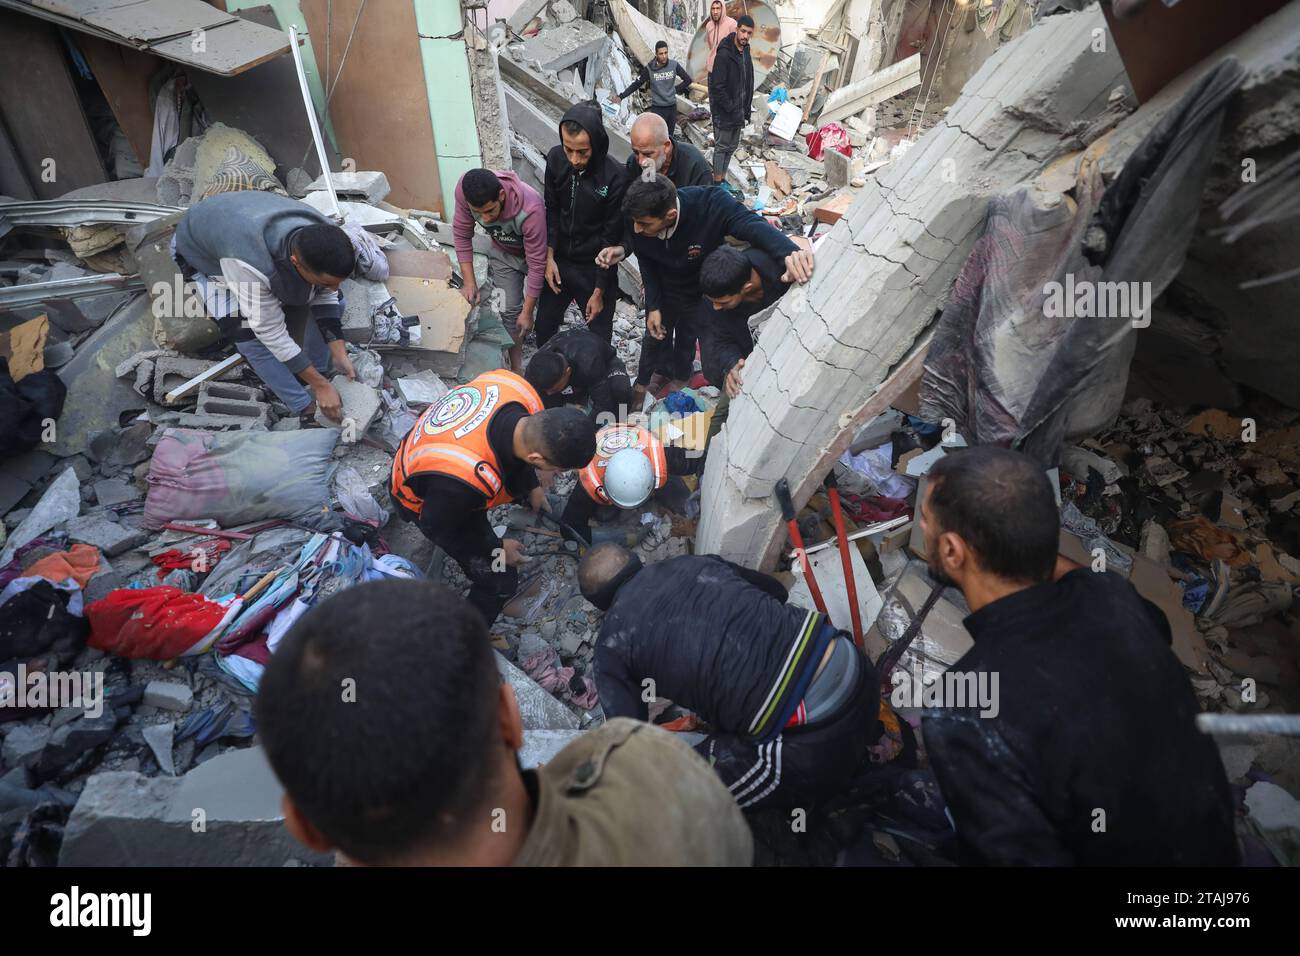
{"x":849,"y":581}
{"x":787,"y":511}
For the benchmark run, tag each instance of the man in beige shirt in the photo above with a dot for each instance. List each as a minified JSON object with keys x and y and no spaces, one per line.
{"x":384,"y":716}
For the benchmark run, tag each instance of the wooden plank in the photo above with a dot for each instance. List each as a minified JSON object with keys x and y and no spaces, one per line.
{"x":380,"y":106}
{"x":149,"y":21}
{"x":816,"y":82}
{"x":51,"y":125}
{"x":123,"y":76}
{"x":229,"y":49}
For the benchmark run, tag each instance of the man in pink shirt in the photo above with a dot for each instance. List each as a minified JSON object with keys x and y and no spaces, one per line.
{"x":717,"y":28}
{"x":514,"y":216}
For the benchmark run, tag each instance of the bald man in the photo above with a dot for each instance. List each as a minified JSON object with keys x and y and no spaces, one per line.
{"x":652,"y":142}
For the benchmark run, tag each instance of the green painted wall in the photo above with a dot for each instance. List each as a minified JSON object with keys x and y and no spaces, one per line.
{"x":451,"y":104}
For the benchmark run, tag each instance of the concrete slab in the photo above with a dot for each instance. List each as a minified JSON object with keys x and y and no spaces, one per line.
{"x":539,"y":710}
{"x":360,"y":408}
{"x":564,"y":45}
{"x":225,"y":812}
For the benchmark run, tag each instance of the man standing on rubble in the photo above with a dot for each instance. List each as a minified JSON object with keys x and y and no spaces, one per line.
{"x":666,"y":78}
{"x":731,"y":93}
{"x":790,"y":702}
{"x":675,"y":230}
{"x":584,"y":214}
{"x":514,"y":216}
{"x":476,"y":448}
{"x":738,"y":285}
{"x":580,"y":362}
{"x":270,"y":268}
{"x":421,"y":766}
{"x":1089,"y":753}
{"x":717,"y":28}
{"x":653,"y":146}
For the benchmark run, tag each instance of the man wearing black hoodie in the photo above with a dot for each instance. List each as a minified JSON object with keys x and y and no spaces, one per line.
{"x":584,"y":214}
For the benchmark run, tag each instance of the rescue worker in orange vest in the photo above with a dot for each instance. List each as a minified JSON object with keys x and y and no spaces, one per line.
{"x":629,"y":466}
{"x":477,"y":448}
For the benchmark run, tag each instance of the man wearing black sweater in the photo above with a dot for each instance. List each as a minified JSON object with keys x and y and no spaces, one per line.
{"x":1086,"y":751}
{"x":790,"y":702}
{"x":578,"y":367}
{"x":731,"y":91}
{"x":584,"y":198}
{"x":674,"y":231}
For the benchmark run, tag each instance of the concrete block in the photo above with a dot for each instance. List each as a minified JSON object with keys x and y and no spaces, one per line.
{"x":171,"y":372}
{"x":539,"y":710}
{"x":115,"y":491}
{"x":225,"y":812}
{"x":423,"y":389}
{"x":231,"y":391}
{"x":360,"y":408}
{"x":224,"y":422}
{"x":258,"y":412}
{"x":837,"y":168}
{"x":159,"y":738}
{"x":168,"y":695}
{"x":110,"y":537}
{"x":366,"y":185}
{"x":24,"y":744}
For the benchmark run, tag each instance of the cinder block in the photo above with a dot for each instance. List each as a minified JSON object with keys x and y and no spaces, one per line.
{"x":233,"y":391}
{"x":223,"y":422}
{"x":168,"y":373}
{"x":231,"y":408}
{"x":369,"y":185}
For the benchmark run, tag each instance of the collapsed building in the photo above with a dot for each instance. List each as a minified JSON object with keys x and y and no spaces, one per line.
{"x":958,"y":165}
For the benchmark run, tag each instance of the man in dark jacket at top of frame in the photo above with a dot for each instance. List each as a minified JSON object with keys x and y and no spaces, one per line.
{"x":584,"y":214}
{"x":1088,"y":753}
{"x":731,"y":92}
{"x":790,"y":701}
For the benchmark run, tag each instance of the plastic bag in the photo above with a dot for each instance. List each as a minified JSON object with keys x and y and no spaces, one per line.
{"x":369,"y":369}
{"x":355,"y":497}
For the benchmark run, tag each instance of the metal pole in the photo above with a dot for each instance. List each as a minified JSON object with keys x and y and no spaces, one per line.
{"x":315,"y":128}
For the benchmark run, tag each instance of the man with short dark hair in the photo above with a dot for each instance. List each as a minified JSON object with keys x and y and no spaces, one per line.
{"x":731,"y":92}
{"x":584,"y":365}
{"x":584,"y":214}
{"x":790,"y":701}
{"x":1090,"y":753}
{"x":420,"y":766}
{"x":476,"y":448}
{"x":514,"y":216}
{"x":737,"y":284}
{"x":270,"y":268}
{"x":675,"y":230}
{"x":666,"y":78}
{"x":654,"y":147}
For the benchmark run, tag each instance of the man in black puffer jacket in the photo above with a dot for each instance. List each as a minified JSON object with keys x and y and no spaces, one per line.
{"x":791,"y":703}
{"x":584,"y":214}
{"x":586,"y":366}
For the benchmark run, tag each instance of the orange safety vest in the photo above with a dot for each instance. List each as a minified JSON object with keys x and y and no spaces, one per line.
{"x":615,"y":438}
{"x":451,"y":438}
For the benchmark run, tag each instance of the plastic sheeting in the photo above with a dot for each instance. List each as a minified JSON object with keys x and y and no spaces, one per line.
{"x":1003,"y":368}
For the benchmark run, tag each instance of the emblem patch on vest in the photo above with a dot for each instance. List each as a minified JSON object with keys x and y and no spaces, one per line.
{"x":453,"y":410}
{"x":616,"y":441}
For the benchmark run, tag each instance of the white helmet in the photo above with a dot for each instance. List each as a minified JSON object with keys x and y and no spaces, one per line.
{"x":629,"y":478}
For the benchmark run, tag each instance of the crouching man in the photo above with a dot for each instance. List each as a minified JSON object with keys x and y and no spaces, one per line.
{"x":476,"y":448}
{"x":420,"y":767}
{"x":791,"y":702}
{"x":270,"y":268}
{"x":582,"y":363}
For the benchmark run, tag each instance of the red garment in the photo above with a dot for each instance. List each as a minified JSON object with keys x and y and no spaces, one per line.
{"x":830,"y":136}
{"x":869,"y":509}
{"x":172,"y":559}
{"x":156,"y":623}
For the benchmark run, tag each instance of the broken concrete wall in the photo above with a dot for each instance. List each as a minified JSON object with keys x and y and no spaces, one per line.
{"x":817,"y":360}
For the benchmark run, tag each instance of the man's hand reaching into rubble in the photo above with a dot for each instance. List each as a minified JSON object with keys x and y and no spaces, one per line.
{"x":537,"y":500}
{"x":610,"y":256}
{"x":595,"y":305}
{"x":514,"y":551}
{"x":654,"y":324}
{"x":552,"y":272}
{"x":339,"y":359}
{"x":734,"y":379}
{"x":798,"y":266}
{"x":328,"y":401}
